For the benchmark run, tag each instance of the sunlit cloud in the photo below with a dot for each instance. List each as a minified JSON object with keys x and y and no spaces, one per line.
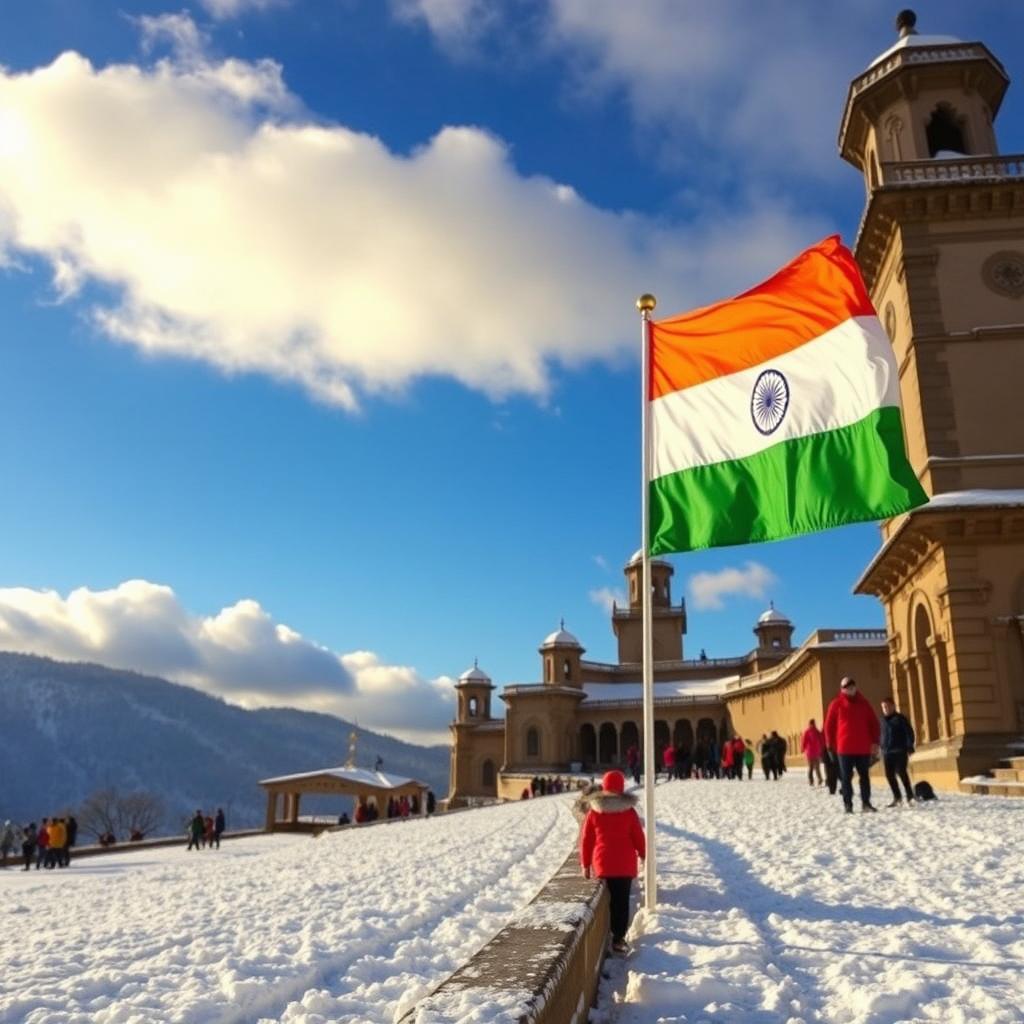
{"x":240,"y":654}
{"x":708,"y":590}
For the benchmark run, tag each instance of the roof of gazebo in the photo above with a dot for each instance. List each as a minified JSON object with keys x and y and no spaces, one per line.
{"x":343,"y":779}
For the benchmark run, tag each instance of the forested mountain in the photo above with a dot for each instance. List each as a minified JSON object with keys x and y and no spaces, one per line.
{"x":67,"y":729}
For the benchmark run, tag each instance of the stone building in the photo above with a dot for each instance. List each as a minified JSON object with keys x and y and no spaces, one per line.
{"x":584,"y":715}
{"x":941,"y":246}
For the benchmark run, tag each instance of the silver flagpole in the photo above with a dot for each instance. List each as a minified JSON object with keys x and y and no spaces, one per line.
{"x":646,"y":304}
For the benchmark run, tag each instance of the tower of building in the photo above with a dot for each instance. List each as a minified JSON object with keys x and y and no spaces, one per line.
{"x":668,"y":620}
{"x":941,"y":245}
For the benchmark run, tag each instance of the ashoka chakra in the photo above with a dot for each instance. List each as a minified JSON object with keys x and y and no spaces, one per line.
{"x":769,"y":401}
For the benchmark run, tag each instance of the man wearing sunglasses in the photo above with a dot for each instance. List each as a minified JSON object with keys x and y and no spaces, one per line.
{"x":852,"y":733}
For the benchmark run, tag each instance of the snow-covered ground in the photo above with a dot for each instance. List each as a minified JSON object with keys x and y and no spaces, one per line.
{"x":776,"y":907}
{"x":780,"y":908}
{"x":353,"y":926}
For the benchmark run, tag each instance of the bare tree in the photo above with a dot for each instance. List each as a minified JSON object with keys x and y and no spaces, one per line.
{"x":139,"y":813}
{"x":98,"y":814}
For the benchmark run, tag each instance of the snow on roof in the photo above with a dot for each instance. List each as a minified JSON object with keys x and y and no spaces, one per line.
{"x":357,"y":776}
{"x":639,"y":554}
{"x":913,"y":40}
{"x":772,"y":615}
{"x":474,"y":675}
{"x":600,"y":692}
{"x":976,"y":499}
{"x":561,"y":638}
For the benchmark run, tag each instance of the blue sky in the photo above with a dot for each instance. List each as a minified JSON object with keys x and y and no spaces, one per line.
{"x":320,"y":364}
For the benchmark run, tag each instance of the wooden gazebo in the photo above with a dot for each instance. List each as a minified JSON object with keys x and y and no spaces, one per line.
{"x":344,"y":780}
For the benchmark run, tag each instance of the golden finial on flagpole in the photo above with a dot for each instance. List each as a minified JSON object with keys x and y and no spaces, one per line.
{"x":646,"y":303}
{"x":352,"y":737}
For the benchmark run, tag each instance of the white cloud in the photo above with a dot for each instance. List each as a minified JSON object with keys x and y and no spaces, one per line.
{"x":231,"y":229}
{"x":607,"y":598}
{"x":601,"y":562}
{"x":707,"y":589}
{"x":240,"y":654}
{"x":734,"y":90}
{"x":454,"y":23}
{"x":224,"y":9}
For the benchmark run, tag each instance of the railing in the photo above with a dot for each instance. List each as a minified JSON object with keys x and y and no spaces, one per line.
{"x":969,"y":168}
{"x":942,"y":53}
{"x":660,"y":700}
{"x":827,"y":635}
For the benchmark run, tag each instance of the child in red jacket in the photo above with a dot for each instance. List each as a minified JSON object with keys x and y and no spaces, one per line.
{"x":611,"y":840}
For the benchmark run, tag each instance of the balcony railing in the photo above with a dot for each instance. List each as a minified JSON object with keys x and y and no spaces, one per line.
{"x":969,"y":168}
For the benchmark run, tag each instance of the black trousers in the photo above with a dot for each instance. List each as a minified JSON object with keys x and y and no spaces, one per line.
{"x":618,"y":909}
{"x":847,"y":764}
{"x":831,"y":774}
{"x":896,"y":767}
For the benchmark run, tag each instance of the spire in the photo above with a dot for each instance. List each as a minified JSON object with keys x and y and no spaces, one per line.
{"x":906,"y":21}
{"x":352,"y":738}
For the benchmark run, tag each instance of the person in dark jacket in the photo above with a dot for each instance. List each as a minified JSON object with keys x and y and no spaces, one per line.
{"x":897,"y":745}
{"x":611,"y":840}
{"x":852,"y":733}
{"x":196,"y":828}
{"x":28,"y":844}
{"x":218,"y":827}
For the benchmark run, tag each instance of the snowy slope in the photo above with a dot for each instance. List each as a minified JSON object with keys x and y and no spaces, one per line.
{"x":351,"y":927}
{"x":782,"y":909}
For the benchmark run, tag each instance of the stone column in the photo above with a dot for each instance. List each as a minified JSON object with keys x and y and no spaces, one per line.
{"x":294,"y":815}
{"x":917,"y":686}
{"x":271,"y":810}
{"x":941,"y":692}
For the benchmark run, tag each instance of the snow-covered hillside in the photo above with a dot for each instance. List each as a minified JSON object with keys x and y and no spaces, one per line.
{"x":68,"y":729}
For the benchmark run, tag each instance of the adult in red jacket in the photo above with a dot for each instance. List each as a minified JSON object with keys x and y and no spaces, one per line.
{"x":738,"y":747}
{"x":852,"y":732}
{"x":611,"y":840}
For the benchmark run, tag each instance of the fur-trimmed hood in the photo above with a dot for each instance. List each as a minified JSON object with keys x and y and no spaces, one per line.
{"x":610,"y":803}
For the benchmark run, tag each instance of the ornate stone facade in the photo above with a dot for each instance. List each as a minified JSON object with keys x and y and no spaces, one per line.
{"x":941,"y":245}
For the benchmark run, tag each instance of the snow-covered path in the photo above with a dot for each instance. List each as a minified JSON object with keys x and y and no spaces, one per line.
{"x":779,"y":908}
{"x":353,"y":926}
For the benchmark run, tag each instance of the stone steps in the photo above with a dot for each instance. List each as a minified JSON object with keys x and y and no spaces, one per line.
{"x":1003,"y":781}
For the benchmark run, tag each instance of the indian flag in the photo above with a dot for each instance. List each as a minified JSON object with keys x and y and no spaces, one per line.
{"x":776,"y":413}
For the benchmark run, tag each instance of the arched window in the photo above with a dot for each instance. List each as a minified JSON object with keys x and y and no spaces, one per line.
{"x":945,"y":131}
{"x":487,"y":775}
{"x":473,"y":707}
{"x":776,"y":643}
{"x":566,"y":669}
{"x":588,"y":743}
{"x":532,"y":742}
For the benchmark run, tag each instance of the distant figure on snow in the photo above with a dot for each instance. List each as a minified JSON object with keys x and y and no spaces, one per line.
{"x":748,"y":759}
{"x":431,"y":802}
{"x":218,"y":826}
{"x":7,"y":839}
{"x":196,"y":828}
{"x":852,"y":733}
{"x":812,"y":746}
{"x":28,"y":844}
{"x":378,"y":765}
{"x":611,"y":840}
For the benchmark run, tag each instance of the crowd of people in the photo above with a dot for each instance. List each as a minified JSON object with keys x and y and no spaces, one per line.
{"x":48,"y":846}
{"x":852,"y":739}
{"x":204,"y":830}
{"x":396,"y":807}
{"x":546,"y":785}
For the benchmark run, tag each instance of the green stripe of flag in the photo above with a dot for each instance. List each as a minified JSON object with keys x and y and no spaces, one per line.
{"x":848,"y":475}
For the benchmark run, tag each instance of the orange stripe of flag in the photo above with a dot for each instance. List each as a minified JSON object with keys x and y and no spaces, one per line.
{"x":819,"y":290}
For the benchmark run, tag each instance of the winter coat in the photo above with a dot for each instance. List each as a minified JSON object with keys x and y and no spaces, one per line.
{"x":197,"y":826}
{"x":7,"y":837}
{"x":668,"y":757}
{"x":851,"y":725}
{"x":727,"y":755}
{"x":612,"y":837}
{"x":218,"y":823}
{"x":748,"y":756}
{"x":897,"y":734}
{"x":43,"y":837}
{"x":813,"y":744}
{"x":58,"y":835}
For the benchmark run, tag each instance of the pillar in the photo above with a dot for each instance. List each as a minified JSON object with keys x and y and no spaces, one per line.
{"x":293,"y":815}
{"x":942,"y":690}
{"x":271,"y":810}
